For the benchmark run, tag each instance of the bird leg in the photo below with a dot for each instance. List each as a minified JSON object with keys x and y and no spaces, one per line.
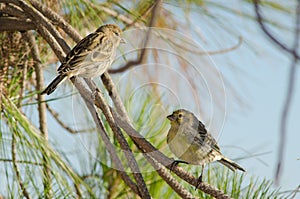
{"x":199,"y":181}
{"x":175,"y":163}
{"x":93,"y":87}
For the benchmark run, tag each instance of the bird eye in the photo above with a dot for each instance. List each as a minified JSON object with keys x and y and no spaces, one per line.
{"x":117,"y":34}
{"x":179,"y":115}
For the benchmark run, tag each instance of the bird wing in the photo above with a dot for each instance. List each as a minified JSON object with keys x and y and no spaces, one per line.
{"x":94,"y":47}
{"x":206,"y":137}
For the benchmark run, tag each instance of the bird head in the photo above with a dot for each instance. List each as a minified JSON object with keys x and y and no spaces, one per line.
{"x":114,"y":32}
{"x":181,"y":116}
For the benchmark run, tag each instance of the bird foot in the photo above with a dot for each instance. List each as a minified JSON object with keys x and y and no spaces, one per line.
{"x":175,"y":163}
{"x":94,"y":93}
{"x":199,"y":181}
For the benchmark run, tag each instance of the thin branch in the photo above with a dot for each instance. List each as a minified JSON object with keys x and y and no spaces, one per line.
{"x":123,"y":143}
{"x":225,"y":50}
{"x":275,"y":40}
{"x":165,"y":174}
{"x":113,"y":93}
{"x":86,"y":95}
{"x":52,"y":42}
{"x":289,"y":97}
{"x":21,"y":162}
{"x":16,"y":168}
{"x":115,"y":14}
{"x":144,"y":51}
{"x":14,"y":24}
{"x":41,"y":110}
{"x":55,"y":115}
{"x":41,"y":20}
{"x":57,"y":19}
{"x":13,"y":10}
{"x":24,"y":71}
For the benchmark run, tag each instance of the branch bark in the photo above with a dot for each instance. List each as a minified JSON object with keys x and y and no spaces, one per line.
{"x":86,"y":95}
{"x":123,"y":143}
{"x":41,"y":110}
{"x":14,"y":24}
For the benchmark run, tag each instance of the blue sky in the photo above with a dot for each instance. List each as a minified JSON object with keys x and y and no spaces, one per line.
{"x":257,"y":70}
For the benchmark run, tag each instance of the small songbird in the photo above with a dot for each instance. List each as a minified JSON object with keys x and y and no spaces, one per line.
{"x":192,"y":144}
{"x":90,"y":57}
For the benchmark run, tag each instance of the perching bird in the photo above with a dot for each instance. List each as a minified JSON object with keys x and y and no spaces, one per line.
{"x":90,"y":57}
{"x":192,"y":144}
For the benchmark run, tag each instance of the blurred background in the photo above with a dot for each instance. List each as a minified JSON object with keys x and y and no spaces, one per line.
{"x":210,"y":57}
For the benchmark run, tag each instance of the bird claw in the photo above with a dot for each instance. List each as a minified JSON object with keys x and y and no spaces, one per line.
{"x":175,"y":163}
{"x":199,"y":181}
{"x":94,"y":93}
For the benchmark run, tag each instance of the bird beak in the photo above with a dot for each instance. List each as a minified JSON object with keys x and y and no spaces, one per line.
{"x":123,"y":41}
{"x":171,"y":117}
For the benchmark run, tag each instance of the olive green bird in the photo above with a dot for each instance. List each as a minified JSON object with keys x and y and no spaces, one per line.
{"x":192,"y":144}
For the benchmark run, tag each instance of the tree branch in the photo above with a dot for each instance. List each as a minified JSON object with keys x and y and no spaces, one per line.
{"x":123,"y":143}
{"x":143,"y":54}
{"x":13,"y":10}
{"x":268,"y":33}
{"x":57,"y":19}
{"x":86,"y":95}
{"x":289,"y":97}
{"x":55,"y":115}
{"x":165,"y":174}
{"x":41,"y":110}
{"x":14,"y":24}
{"x":42,"y":20}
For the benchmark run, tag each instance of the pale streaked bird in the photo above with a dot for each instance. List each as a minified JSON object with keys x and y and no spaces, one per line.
{"x":192,"y":144}
{"x":90,"y":57}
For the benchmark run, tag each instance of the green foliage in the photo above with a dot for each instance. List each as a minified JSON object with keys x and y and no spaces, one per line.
{"x":94,"y":175}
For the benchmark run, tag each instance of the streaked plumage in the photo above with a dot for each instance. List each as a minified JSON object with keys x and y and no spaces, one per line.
{"x":189,"y":141}
{"x":90,"y":57}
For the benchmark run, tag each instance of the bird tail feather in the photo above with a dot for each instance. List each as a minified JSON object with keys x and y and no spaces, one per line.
{"x":230,"y":164}
{"x":53,"y":85}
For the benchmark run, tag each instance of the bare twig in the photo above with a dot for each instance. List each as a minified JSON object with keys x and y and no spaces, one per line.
{"x":113,"y":93}
{"x":23,"y":71}
{"x":225,"y":50}
{"x":123,"y":143}
{"x":16,"y":168}
{"x":269,"y":34}
{"x":143,"y":54}
{"x":52,"y":42}
{"x":57,"y":19}
{"x":41,"y":110}
{"x":289,"y":96}
{"x":41,"y":20}
{"x":86,"y":95}
{"x":165,"y":174}
{"x":58,"y":120}
{"x":14,"y":24}
{"x":21,"y":162}
{"x":13,"y":10}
